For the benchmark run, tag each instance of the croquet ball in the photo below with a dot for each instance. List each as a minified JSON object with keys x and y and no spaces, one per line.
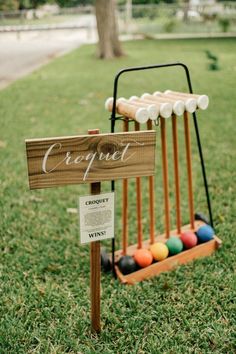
{"x":205,"y":233}
{"x":127,"y":264}
{"x":143,"y":257}
{"x":175,"y":245}
{"x":202,"y":217}
{"x":105,"y":261}
{"x":159,"y":251}
{"x":188,"y":238}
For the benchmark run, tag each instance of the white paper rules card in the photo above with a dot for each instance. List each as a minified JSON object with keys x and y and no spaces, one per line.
{"x":96,"y":217}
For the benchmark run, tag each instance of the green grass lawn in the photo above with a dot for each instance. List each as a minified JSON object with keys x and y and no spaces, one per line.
{"x":45,"y":306}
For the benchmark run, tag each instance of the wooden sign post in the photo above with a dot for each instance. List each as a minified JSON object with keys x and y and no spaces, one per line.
{"x":95,"y":274}
{"x":95,"y":266}
{"x":92,"y":158}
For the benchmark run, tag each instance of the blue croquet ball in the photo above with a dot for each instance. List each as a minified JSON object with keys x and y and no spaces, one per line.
{"x":127,"y":265}
{"x":175,"y":245}
{"x":205,"y":233}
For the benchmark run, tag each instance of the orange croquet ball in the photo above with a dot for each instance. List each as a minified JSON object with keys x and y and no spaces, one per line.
{"x":159,"y":251}
{"x":143,"y":257}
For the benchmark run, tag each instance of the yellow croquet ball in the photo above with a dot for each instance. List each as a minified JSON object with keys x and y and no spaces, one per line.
{"x":159,"y":251}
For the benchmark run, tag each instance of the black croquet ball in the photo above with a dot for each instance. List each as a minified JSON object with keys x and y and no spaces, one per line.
{"x":127,"y":265}
{"x":105,"y":261}
{"x":201,"y":217}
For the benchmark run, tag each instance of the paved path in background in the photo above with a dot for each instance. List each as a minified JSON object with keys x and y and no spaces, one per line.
{"x":23,"y":52}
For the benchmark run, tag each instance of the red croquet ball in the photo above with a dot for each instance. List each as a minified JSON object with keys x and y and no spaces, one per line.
{"x":143,"y":257}
{"x":188,"y":238}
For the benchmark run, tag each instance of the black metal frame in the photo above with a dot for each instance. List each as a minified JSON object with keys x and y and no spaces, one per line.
{"x":114,"y":118}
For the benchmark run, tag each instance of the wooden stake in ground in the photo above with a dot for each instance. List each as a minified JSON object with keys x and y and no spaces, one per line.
{"x":176,"y":172}
{"x":189,"y":168}
{"x":151,"y":199}
{"x":95,"y":267}
{"x":165,"y":177}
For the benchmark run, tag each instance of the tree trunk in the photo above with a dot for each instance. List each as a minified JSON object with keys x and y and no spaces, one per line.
{"x":109,"y":44}
{"x":186,"y":10}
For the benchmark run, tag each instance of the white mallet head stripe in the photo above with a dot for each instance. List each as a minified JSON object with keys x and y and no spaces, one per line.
{"x":121,"y":99}
{"x":142,"y":115}
{"x":152,"y":108}
{"x":108,"y":103}
{"x":157,"y":93}
{"x":145,"y":95}
{"x":178,"y":108}
{"x":133,"y":98}
{"x":153,"y":111}
{"x":191,"y":105}
{"x":165,"y":110}
{"x":203,"y":101}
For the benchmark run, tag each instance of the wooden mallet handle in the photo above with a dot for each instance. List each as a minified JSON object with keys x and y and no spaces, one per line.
{"x":165,"y":109}
{"x":178,"y":105}
{"x":189,"y":168}
{"x":176,"y":173}
{"x":139,"y":202}
{"x":152,"y":109}
{"x":151,"y":199}
{"x":125,"y":109}
{"x":125,"y":203}
{"x":165,"y":177}
{"x":202,"y":100}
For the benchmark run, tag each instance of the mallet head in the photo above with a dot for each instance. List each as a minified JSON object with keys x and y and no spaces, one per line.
{"x":203,"y":102}
{"x":166,"y":110}
{"x":178,"y":107}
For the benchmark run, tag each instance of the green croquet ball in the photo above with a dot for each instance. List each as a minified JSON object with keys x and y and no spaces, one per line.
{"x":175,"y":245}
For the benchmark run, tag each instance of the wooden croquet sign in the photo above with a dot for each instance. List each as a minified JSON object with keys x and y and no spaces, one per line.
{"x":55,"y":162}
{"x":92,"y":158}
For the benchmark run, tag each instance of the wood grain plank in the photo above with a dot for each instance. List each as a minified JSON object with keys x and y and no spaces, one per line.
{"x":60,"y":161}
